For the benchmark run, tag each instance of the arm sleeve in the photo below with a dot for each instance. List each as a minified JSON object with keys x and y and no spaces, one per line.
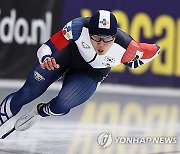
{"x":139,"y":53}
{"x":54,"y":44}
{"x":71,"y":31}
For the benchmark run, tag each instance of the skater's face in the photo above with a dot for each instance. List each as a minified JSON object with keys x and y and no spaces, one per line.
{"x":102,"y":43}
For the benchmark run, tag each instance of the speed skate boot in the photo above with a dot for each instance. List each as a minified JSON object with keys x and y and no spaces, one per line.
{"x":27,"y":120}
{"x":5,"y":112}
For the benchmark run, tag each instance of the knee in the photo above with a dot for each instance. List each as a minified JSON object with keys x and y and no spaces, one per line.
{"x":59,"y":105}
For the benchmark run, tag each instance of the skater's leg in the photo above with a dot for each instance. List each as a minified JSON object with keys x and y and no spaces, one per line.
{"x":77,"y":88}
{"x":36,"y":84}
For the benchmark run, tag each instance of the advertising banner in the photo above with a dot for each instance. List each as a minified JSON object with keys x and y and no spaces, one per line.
{"x":24,"y":26}
{"x":146,"y":21}
{"x":23,"y":30}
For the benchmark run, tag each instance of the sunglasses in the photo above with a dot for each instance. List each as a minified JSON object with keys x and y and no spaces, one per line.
{"x":104,"y":38}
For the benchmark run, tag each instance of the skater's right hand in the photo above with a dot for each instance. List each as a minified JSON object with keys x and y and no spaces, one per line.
{"x":50,"y":64}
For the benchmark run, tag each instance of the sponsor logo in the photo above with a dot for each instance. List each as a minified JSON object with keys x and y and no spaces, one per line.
{"x":104,"y":22}
{"x":22,"y":31}
{"x":85,"y":46}
{"x":38,"y":76}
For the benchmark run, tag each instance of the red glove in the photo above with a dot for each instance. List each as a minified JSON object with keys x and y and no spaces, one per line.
{"x":139,"y":51}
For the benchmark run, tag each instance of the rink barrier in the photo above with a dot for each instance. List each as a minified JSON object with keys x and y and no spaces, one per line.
{"x":107,"y":88}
